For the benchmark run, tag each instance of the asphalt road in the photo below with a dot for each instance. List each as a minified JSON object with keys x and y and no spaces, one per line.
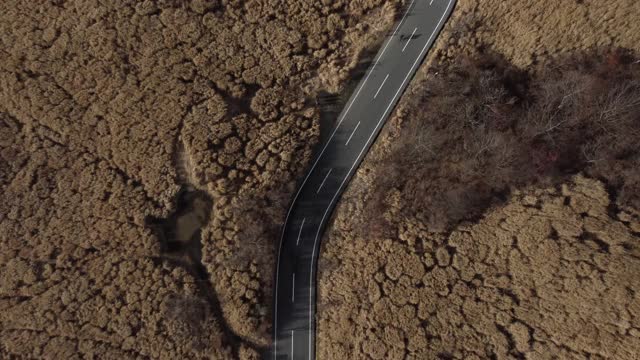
{"x":358,"y":125}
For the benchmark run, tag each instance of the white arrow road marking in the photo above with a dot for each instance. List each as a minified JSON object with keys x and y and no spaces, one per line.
{"x":408,"y":41}
{"x":292,"y":344}
{"x":353,"y":132}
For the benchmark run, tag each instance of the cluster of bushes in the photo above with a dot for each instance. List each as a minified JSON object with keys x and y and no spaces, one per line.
{"x":483,"y":127}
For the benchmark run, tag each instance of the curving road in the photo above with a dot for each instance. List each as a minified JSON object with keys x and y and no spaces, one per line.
{"x":358,"y":125}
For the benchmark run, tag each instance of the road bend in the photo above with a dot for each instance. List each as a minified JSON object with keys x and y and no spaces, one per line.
{"x":359,"y":123}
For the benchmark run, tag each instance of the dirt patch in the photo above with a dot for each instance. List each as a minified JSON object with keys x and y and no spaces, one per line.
{"x":107,"y":111}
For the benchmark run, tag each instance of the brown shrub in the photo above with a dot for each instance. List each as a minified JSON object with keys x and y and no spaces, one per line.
{"x":486,"y":127}
{"x":108,"y":110}
{"x":260,"y":217}
{"x":187,"y":314}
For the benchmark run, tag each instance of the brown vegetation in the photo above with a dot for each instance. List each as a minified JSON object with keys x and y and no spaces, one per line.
{"x":482,"y":128}
{"x":108,"y":110}
{"x":527,"y":32}
{"x":497,"y":215}
{"x":550,"y":274}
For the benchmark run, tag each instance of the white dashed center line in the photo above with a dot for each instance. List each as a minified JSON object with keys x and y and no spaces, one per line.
{"x":300,"y":231}
{"x":353,"y":132}
{"x":381,"y":85}
{"x":293,"y":288}
{"x":374,"y":132}
{"x":410,"y":37}
{"x":323,"y":181}
{"x":311,"y":172}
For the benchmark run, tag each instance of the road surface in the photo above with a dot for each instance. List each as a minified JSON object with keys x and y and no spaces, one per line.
{"x":358,"y":125}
